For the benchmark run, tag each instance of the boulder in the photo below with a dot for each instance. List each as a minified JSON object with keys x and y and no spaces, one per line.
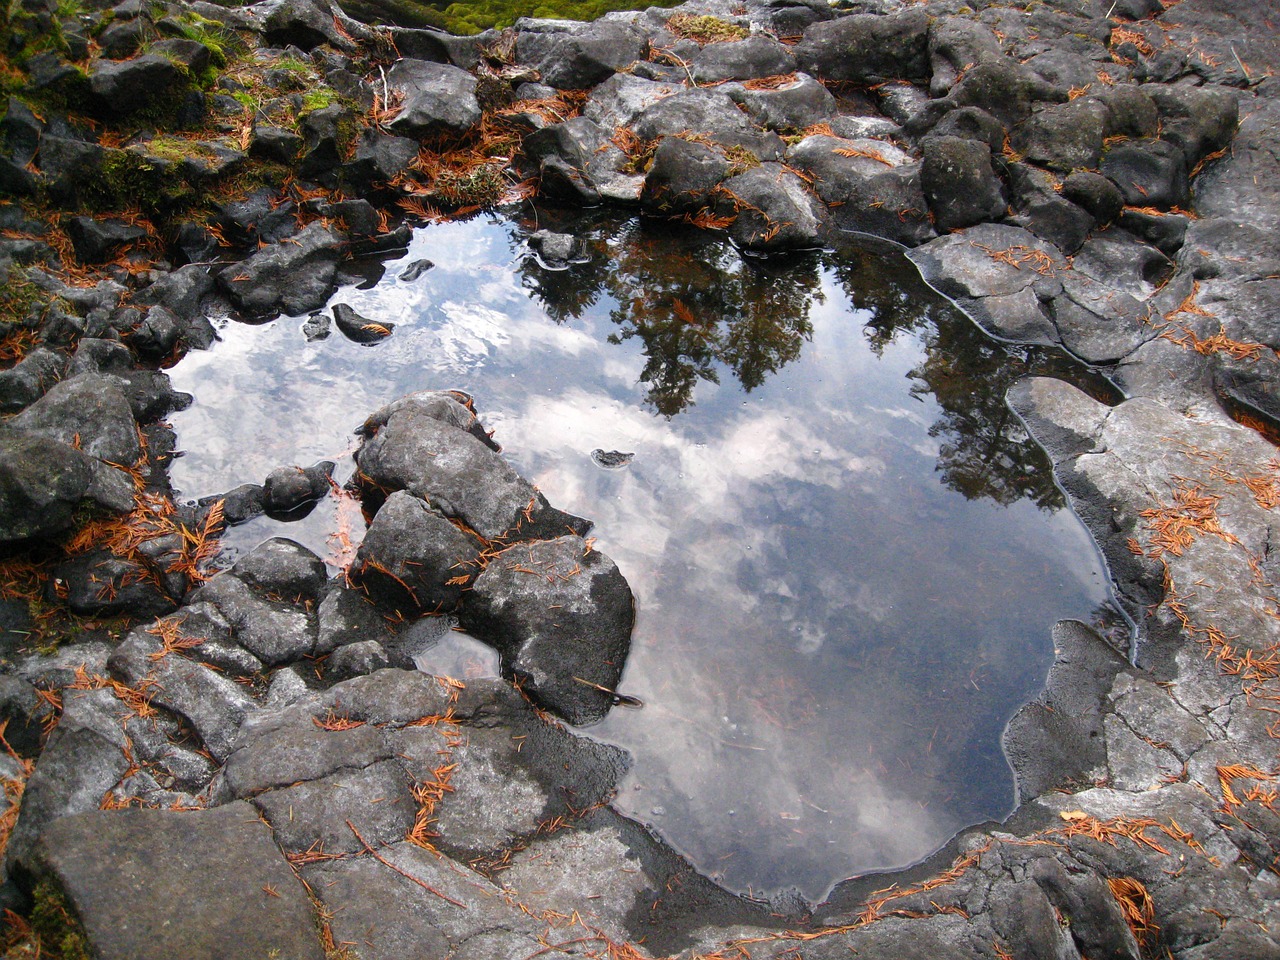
{"x":306,"y":24}
{"x":101,"y":584}
{"x":288,"y":489}
{"x":413,"y":559}
{"x":1149,"y":173}
{"x":619,"y":100}
{"x":1063,"y":136}
{"x":1044,"y":211}
{"x":1095,"y":194}
{"x":747,"y":59}
{"x":89,"y":412}
{"x":560,"y":614}
{"x":1130,"y":111}
{"x":210,"y":703}
{"x":576,"y":56}
{"x":292,"y":277}
{"x":682,"y":176}
{"x":150,"y":84}
{"x":867,"y":49}
{"x":118,"y":871}
{"x":276,"y":633}
{"x":956,"y":45}
{"x":438,"y":98}
{"x":459,"y":476}
{"x":711,"y":114}
{"x":972,"y":123}
{"x":771,"y":209}
{"x":795,"y":105}
{"x":283,"y":568}
{"x":1198,"y":120}
{"x":97,"y":239}
{"x":27,"y":380}
{"x":959,"y":183}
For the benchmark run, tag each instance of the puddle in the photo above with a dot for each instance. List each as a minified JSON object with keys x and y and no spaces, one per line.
{"x":846,"y":552}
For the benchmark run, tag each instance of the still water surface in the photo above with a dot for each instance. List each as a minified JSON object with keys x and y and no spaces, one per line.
{"x":846,"y":553}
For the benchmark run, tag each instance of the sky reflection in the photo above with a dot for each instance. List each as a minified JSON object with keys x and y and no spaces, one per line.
{"x":845,"y":575}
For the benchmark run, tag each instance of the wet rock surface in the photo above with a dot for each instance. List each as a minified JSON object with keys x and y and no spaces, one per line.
{"x":1098,"y":176}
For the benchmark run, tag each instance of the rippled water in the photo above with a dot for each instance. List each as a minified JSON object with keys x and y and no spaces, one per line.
{"x":846,"y":553}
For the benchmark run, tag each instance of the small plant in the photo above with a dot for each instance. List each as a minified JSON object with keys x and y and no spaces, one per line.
{"x":481,"y":187}
{"x":58,"y":932}
{"x":705,"y":29}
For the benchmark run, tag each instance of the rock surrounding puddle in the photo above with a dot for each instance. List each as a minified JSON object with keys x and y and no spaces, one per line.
{"x":845,"y":575}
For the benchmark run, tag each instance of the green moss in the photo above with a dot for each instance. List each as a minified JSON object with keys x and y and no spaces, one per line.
{"x":61,"y":935}
{"x":472,"y":16}
{"x":317,"y":98}
{"x":705,"y":29}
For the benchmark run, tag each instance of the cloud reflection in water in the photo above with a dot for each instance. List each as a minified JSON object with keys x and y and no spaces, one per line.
{"x":845,"y":575}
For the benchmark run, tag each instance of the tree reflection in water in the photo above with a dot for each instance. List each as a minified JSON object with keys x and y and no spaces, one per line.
{"x":699,"y":308}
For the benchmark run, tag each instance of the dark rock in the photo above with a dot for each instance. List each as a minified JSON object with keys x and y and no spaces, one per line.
{"x":306,"y":24}
{"x":748,"y":59}
{"x":711,"y":113}
{"x":1045,"y":212}
{"x":771,"y":208}
{"x":357,"y":660}
{"x":40,"y":485}
{"x":275,"y":633}
{"x":572,"y":56}
{"x":1130,"y":112}
{"x":867,"y":49}
{"x":556,"y":250}
{"x":956,"y":45}
{"x":567,"y":622}
{"x":327,"y":134}
{"x":288,"y":488}
{"x":283,"y":568}
{"x":360,"y":329}
{"x":903,"y":103}
{"x":409,"y":555}
{"x":89,"y":412}
{"x":376,"y":801}
{"x":182,"y":291}
{"x":381,"y":156}
{"x":437,"y":98}
{"x":448,"y":406}
{"x":1198,"y":120}
{"x":150,"y":84}
{"x":796,"y":105}
{"x":119,"y":869}
{"x":318,"y":326}
{"x":82,"y":760}
{"x":1094,"y":193}
{"x":241,"y":504}
{"x":20,"y":132}
{"x":212,"y":705}
{"x":348,"y":616}
{"x":274,"y":143}
{"x":578,"y":160}
{"x":459,"y":476}
{"x":263,"y":215}
{"x":1149,"y":173}
{"x":682,"y":176}
{"x":1005,"y":89}
{"x":97,"y":240}
{"x":293,"y":277}
{"x":191,"y":55}
{"x":1063,"y":69}
{"x":972,"y":123}
{"x":1064,"y":136}
{"x":100,"y":584}
{"x":157,"y":334}
{"x":23,"y":714}
{"x":1165,"y":232}
{"x":959,"y":183}
{"x":415,"y":270}
{"x":27,"y":380}
{"x":1120,"y":261}
{"x":280,"y":748}
{"x":123,"y":38}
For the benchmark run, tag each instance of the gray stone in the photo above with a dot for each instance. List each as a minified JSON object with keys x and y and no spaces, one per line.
{"x":283,"y":568}
{"x":574,"y":56}
{"x":712,"y":114}
{"x":89,"y":412}
{"x":1149,"y":173}
{"x":356,"y":660}
{"x":41,"y":483}
{"x":438,"y":98}
{"x":459,"y":476}
{"x":213,"y":705}
{"x":747,"y":59}
{"x":682,"y":176}
{"x":1064,"y":136}
{"x":561,"y":615}
{"x":314,"y":815}
{"x":274,"y":632}
{"x":959,"y":183}
{"x":771,"y":209}
{"x":290,"y":488}
{"x":867,"y":49}
{"x":120,"y":869}
{"x":348,"y":616}
{"x":292,"y":277}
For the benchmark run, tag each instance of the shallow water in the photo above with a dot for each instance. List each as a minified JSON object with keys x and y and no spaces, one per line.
{"x":845,"y":575}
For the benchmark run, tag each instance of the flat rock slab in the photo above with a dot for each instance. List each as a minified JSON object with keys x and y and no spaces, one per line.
{"x":155,"y":885}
